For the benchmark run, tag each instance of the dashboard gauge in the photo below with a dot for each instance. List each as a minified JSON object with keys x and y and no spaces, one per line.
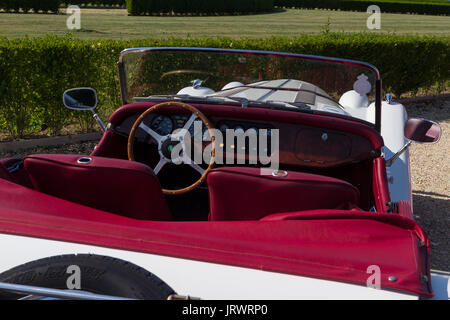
{"x":239,"y":128}
{"x":180,"y":120}
{"x":163,"y":125}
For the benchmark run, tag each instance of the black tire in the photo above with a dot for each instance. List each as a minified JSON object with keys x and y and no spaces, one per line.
{"x":99,"y":274}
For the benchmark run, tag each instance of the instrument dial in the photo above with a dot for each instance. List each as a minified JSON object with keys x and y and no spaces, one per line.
{"x":163,"y":125}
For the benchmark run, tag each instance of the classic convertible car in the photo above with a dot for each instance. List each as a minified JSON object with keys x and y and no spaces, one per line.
{"x":225,"y":174}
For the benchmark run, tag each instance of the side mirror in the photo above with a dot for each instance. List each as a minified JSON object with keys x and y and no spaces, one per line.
{"x":80,"y":99}
{"x":422,"y":130}
{"x":418,"y":130}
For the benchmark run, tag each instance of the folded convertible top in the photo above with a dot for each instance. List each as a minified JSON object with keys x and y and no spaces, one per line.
{"x":328,"y":244}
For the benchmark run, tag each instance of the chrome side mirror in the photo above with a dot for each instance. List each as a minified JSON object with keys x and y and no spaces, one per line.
{"x":420,"y":131}
{"x":80,"y":99}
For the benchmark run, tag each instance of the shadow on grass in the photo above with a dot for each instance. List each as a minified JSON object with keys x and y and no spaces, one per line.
{"x":82,"y":30}
{"x":274,"y":11}
{"x":96,"y":7}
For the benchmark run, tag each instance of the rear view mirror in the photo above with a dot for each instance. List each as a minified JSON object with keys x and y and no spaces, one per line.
{"x":422,"y":130}
{"x":80,"y":99}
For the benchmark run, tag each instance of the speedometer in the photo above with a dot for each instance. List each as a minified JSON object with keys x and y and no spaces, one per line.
{"x":163,"y":125}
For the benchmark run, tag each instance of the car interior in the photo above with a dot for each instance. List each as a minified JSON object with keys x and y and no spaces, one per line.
{"x":325,"y":163}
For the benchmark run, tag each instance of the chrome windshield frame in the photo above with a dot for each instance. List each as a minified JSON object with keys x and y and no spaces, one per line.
{"x":376,"y":73}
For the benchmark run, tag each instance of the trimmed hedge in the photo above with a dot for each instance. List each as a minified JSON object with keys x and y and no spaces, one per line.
{"x":35,"y":72}
{"x":140,"y":7}
{"x":51,"y":5}
{"x":361,"y":5}
{"x":95,"y":2}
{"x":27,"y":5}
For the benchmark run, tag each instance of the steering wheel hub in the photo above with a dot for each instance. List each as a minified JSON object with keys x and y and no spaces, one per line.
{"x":167,"y":147}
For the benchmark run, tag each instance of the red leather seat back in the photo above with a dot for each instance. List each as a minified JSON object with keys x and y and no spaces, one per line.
{"x":239,"y":193}
{"x":127,"y":188}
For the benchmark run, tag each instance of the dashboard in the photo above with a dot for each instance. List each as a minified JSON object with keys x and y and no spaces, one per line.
{"x":166,"y":124}
{"x":299,"y":144}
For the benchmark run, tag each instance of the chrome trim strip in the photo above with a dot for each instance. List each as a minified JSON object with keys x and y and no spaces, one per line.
{"x":55,"y":293}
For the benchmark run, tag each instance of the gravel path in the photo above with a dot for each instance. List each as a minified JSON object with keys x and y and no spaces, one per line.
{"x":430,"y":178}
{"x":430,"y":171}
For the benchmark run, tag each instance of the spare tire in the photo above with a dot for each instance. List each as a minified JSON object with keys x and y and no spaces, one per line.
{"x":97,"y":274}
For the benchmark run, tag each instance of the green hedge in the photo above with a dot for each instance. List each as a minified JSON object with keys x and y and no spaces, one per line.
{"x":361,"y":5}
{"x":139,"y":7}
{"x":27,"y":5}
{"x":95,"y":2}
{"x":35,"y":72}
{"x":51,"y":5}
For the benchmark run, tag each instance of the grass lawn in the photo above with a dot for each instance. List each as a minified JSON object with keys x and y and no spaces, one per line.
{"x":115,"y":24}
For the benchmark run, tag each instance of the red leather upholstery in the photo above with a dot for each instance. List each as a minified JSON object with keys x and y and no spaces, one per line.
{"x":332,"y":245}
{"x":118,"y":186}
{"x":239,"y":193}
{"x":380,"y":185}
{"x":314,"y":214}
{"x":49,"y":207}
{"x":4,"y":173}
{"x":19,"y":175}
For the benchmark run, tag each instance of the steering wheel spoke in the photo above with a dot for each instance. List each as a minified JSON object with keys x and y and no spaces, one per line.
{"x":183,"y":132}
{"x":151,"y":132}
{"x":162,"y":162}
{"x":190,"y":121}
{"x":197,"y":167}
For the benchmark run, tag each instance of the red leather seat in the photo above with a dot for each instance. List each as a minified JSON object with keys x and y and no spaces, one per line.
{"x":127,"y":188}
{"x":240,"y":193}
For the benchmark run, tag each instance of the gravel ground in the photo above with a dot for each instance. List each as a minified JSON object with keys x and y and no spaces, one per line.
{"x":430,"y":171}
{"x":430,"y":178}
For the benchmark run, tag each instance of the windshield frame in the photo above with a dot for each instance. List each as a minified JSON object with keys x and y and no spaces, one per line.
{"x":376,"y":73}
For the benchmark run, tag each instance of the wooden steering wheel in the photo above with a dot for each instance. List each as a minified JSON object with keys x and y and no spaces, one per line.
{"x":177,"y":138}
